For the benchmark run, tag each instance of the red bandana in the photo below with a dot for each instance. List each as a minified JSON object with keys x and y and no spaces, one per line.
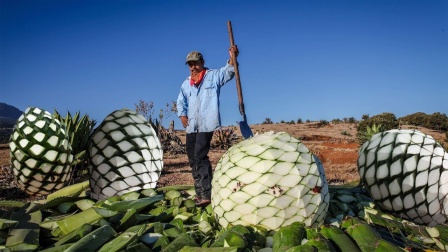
{"x":201,"y":76}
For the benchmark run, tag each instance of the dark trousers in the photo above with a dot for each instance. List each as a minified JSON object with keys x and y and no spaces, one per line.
{"x":198,"y":146}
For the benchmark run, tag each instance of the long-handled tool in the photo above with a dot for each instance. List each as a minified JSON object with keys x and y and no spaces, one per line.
{"x":244,"y":127}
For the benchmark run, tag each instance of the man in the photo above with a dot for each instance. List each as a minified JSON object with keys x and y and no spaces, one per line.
{"x":198,"y":110}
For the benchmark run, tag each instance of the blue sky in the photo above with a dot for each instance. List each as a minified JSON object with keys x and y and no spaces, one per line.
{"x":316,"y":60}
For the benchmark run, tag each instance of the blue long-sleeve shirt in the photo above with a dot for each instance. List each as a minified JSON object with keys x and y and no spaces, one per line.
{"x":201,"y":104}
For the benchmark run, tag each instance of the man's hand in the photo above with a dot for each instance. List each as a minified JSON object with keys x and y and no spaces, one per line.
{"x":233,"y":49}
{"x":184,"y":120}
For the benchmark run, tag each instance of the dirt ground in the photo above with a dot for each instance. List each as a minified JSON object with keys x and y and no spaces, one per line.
{"x":334,"y":144}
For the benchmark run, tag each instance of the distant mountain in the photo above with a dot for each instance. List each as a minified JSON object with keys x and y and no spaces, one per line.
{"x":8,"y":118}
{"x":9,"y":111}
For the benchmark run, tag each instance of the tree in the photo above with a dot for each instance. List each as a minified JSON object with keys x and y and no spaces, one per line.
{"x":267,"y":121}
{"x":437,"y":121}
{"x":147,"y":110}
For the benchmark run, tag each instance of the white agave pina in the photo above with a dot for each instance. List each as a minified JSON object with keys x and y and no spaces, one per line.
{"x":271,"y":180}
{"x":125,"y":155}
{"x":406,"y":173}
{"x":40,"y":152}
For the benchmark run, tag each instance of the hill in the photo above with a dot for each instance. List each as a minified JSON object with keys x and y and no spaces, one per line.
{"x":8,"y":117}
{"x":9,"y":111}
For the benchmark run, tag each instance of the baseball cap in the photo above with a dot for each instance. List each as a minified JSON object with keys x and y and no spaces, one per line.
{"x":194,"y":56}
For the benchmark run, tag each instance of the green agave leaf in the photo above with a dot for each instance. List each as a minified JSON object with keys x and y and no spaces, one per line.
{"x":75,"y":235}
{"x":150,"y":238}
{"x":54,"y":202}
{"x":129,"y":219}
{"x":196,"y":249}
{"x":180,"y":242}
{"x":70,"y":191}
{"x":172,"y":232}
{"x":51,"y":221}
{"x":85,"y":204}
{"x":25,"y":234}
{"x":130,"y":196}
{"x":60,"y":248}
{"x":93,"y":240}
{"x":73,"y":222}
{"x":137,"y":247}
{"x":66,"y":207}
{"x":172,"y":194}
{"x":11,"y":204}
{"x":184,"y":216}
{"x":289,"y":236}
{"x":205,"y":227}
{"x":161,"y":242}
{"x":124,"y":239}
{"x":178,"y":223}
{"x":4,"y":223}
{"x":104,"y":212}
{"x":123,"y":206}
{"x":176,"y":188}
{"x":148,"y":192}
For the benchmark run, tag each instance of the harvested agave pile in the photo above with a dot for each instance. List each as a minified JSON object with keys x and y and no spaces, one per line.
{"x":167,"y":219}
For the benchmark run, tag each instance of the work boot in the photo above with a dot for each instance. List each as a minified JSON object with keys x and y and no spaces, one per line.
{"x":203,"y":203}
{"x":197,"y":199}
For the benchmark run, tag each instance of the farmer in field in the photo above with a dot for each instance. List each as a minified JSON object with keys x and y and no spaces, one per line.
{"x":198,"y":110}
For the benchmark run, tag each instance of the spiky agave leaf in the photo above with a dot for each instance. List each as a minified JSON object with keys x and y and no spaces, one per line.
{"x":40,"y":152}
{"x":271,"y":180}
{"x":125,"y":155}
{"x":406,"y":173}
{"x":368,"y":133}
{"x":79,"y":131}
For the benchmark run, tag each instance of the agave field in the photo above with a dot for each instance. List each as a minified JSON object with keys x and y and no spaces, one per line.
{"x":288,"y":188}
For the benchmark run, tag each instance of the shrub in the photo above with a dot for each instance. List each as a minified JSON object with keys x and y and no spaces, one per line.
{"x":267,"y":121}
{"x":336,"y":121}
{"x":386,"y":120}
{"x":436,"y":121}
{"x":416,"y":119}
{"x":345,"y":133}
{"x":351,"y":120}
{"x":223,"y":138}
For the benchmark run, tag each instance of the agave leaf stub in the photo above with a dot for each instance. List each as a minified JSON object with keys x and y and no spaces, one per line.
{"x":271,"y":180}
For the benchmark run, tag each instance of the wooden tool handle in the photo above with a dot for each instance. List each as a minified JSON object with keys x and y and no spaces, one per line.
{"x":237,"y":74}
